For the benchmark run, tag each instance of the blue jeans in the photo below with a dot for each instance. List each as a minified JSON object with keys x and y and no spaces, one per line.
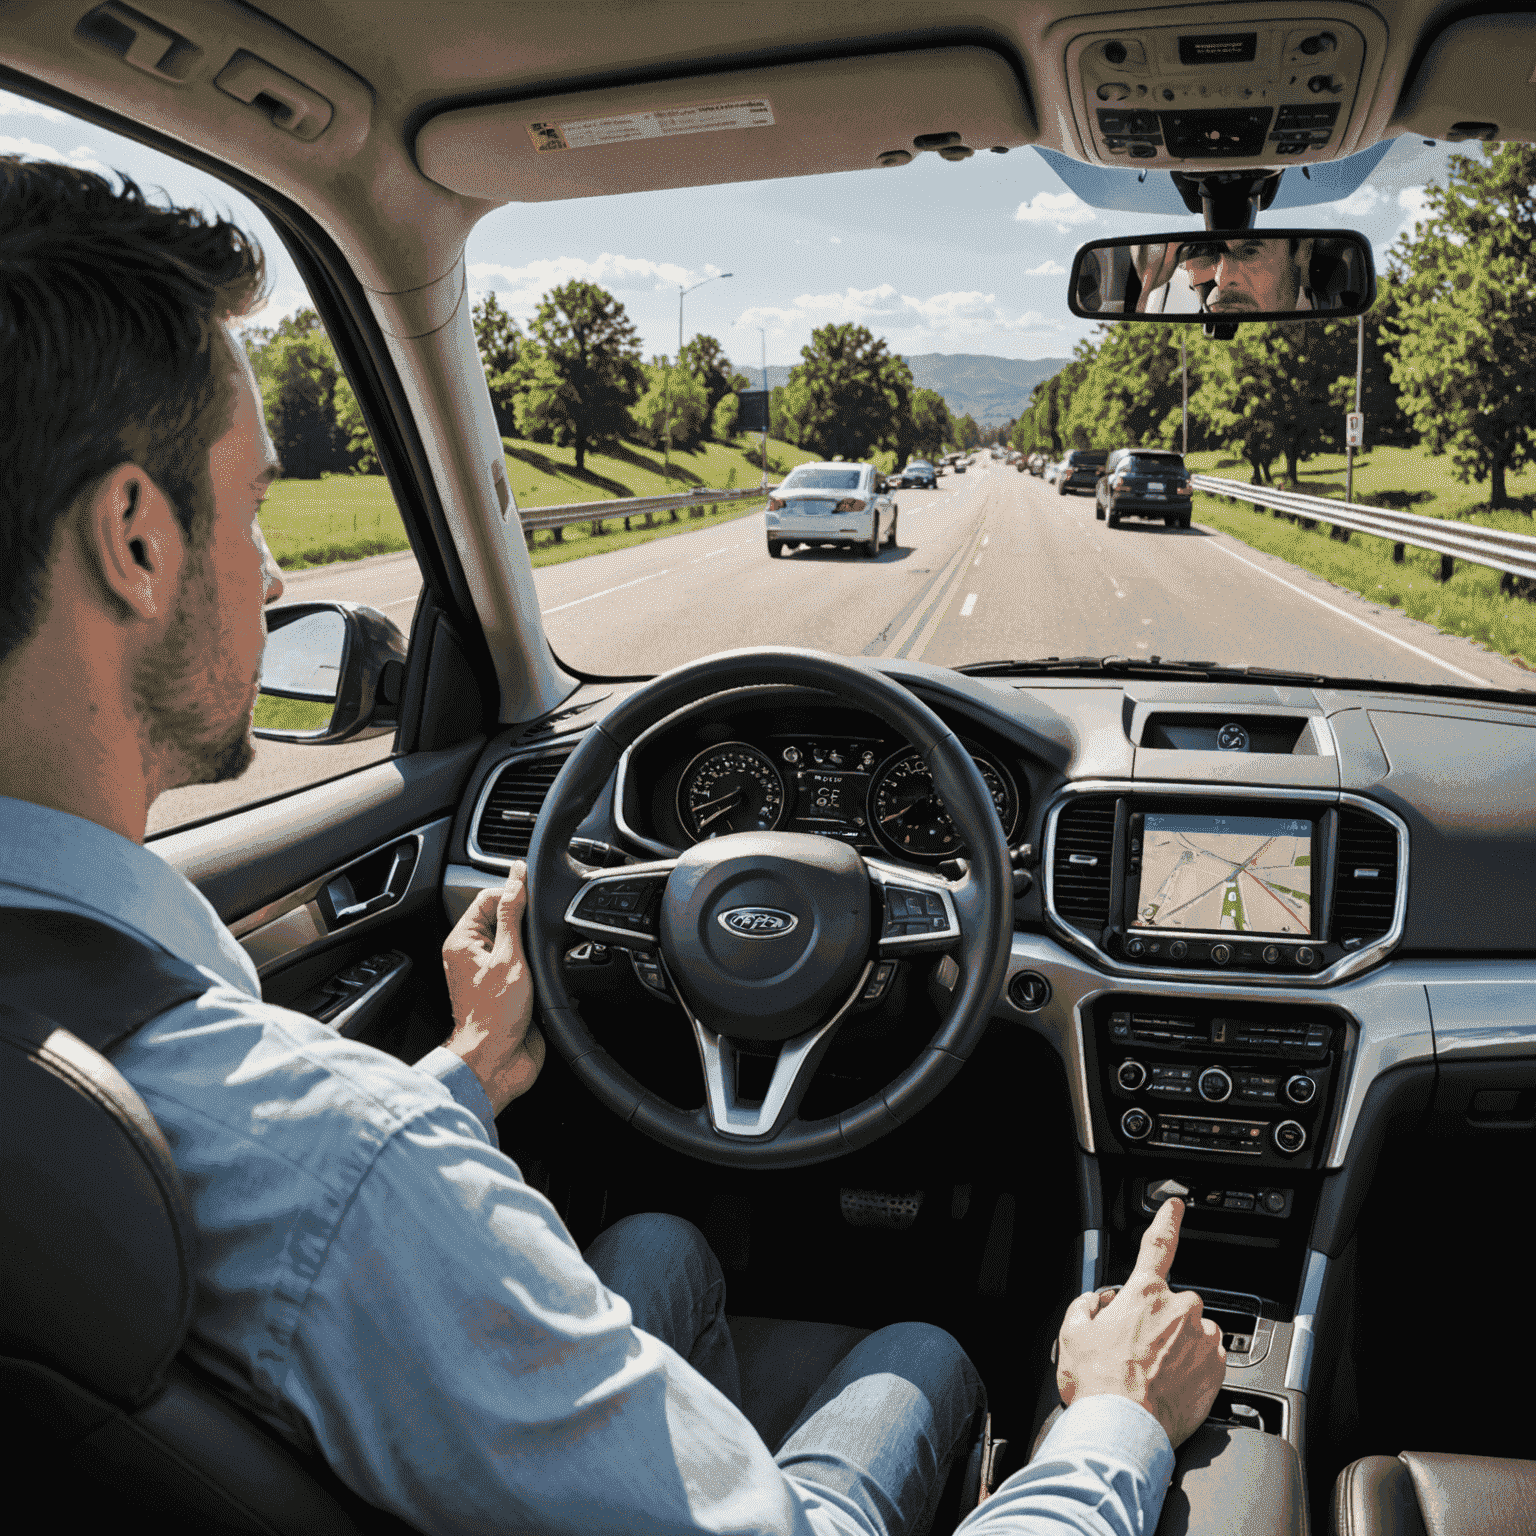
{"x":878,"y":1438}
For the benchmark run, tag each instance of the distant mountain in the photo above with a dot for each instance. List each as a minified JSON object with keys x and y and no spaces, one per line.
{"x":992,"y":389}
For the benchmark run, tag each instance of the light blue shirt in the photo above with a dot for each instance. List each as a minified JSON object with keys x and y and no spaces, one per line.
{"x":376,"y":1281}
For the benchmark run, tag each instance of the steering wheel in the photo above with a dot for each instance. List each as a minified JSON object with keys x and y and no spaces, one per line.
{"x":770,"y":936}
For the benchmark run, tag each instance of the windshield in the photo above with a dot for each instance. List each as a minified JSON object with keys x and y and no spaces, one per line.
{"x":822,"y":480}
{"x":951,"y":343}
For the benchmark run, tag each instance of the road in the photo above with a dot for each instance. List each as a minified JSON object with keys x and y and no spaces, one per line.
{"x":991,"y":564}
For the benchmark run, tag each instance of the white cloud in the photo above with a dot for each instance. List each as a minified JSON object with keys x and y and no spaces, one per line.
{"x":835,"y":240}
{"x":20,"y":106}
{"x":1062,"y":209}
{"x":942,"y":322}
{"x":1047,"y":268}
{"x":519,"y":289}
{"x":1359,"y":202}
{"x":82,"y":158}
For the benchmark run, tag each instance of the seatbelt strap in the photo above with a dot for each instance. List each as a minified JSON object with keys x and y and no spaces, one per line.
{"x":88,"y":977}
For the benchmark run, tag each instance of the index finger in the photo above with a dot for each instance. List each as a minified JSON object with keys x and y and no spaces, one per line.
{"x":1160,"y":1241}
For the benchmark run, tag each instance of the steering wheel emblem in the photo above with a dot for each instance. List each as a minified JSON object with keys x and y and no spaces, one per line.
{"x":1232,"y":738}
{"x":758,"y":922}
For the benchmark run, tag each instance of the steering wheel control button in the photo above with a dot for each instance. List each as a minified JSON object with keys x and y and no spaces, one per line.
{"x":651,"y":975}
{"x":621,"y":906}
{"x":1290,"y":1136}
{"x":1131,"y":1075}
{"x":1220,"y":953}
{"x":1136,"y":1124}
{"x":1215,"y":1085}
{"x":879,"y":981}
{"x":913,"y":914}
{"x":1300,"y":1089}
{"x":1029,"y":991}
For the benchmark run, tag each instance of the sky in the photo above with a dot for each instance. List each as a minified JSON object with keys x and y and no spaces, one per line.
{"x":936,"y":256}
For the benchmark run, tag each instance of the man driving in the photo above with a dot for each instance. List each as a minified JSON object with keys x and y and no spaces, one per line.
{"x":1250,"y":275}
{"x":375,"y":1280}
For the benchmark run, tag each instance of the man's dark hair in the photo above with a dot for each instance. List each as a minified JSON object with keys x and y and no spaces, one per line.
{"x":110,"y":352}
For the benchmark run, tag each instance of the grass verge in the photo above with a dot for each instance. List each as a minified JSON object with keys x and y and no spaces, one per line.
{"x":1470,"y":604}
{"x":346,"y":517}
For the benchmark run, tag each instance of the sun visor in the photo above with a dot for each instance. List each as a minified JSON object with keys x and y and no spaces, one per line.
{"x":746,"y":125}
{"x":1478,"y":81}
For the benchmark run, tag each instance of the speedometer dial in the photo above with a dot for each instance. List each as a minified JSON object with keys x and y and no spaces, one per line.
{"x":730,"y":788}
{"x":908,"y":815}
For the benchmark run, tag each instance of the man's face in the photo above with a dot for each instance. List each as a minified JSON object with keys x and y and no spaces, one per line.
{"x":196,"y":689}
{"x":1254,"y":276}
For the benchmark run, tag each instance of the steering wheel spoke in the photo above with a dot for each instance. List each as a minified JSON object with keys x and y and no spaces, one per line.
{"x":622,"y":905}
{"x":793,"y":1070}
{"x":918,"y":911}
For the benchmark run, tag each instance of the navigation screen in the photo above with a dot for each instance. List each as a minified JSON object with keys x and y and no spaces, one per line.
{"x":1252,"y":874}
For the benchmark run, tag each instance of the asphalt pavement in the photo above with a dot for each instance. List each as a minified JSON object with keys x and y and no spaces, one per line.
{"x":990,"y":564}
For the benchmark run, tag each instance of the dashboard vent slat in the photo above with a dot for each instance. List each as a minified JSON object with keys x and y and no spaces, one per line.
{"x":1085,"y":831}
{"x":1365,"y":890}
{"x":512,"y":807}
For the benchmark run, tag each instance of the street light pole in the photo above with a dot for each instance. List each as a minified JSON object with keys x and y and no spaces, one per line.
{"x":666,"y":462}
{"x":763,"y":338}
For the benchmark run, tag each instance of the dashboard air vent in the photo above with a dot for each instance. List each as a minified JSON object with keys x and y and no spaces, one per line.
{"x":512,"y":807}
{"x":1085,"y":849}
{"x":1365,"y":892}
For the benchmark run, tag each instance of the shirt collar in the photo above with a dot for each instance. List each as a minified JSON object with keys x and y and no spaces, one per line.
{"x":77,"y":864}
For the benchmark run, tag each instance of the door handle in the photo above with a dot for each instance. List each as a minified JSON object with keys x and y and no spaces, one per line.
{"x":347,"y":898}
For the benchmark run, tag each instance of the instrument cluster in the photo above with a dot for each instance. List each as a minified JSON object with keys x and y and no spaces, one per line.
{"x":872,"y":791}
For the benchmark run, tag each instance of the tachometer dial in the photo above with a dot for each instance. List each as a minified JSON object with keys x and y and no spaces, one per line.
{"x":730,"y":788}
{"x":908,"y":815}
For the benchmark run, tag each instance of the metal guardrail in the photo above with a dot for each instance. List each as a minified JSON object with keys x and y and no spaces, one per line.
{"x":1512,"y":553}
{"x":599,"y":512}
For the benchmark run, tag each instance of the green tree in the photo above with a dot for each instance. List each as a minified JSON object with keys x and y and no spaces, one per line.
{"x":850,"y":396}
{"x":967,"y":433}
{"x":349,"y":419}
{"x":298,"y":373}
{"x":704,"y":359}
{"x":932,"y":425}
{"x":580,"y":370}
{"x":498,"y":339}
{"x":672,"y":396}
{"x":722,"y":425}
{"x":1465,"y":320}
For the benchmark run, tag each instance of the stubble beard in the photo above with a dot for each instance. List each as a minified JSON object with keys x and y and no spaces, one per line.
{"x":191,"y":722}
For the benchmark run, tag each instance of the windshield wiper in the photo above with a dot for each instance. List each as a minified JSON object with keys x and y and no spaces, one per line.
{"x":1157,"y":666}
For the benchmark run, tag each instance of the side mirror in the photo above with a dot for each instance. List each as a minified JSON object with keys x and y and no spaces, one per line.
{"x":331,"y":672}
{"x":1224,"y":276}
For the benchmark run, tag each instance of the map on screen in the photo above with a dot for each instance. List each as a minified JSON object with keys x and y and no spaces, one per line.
{"x":1252,"y":874}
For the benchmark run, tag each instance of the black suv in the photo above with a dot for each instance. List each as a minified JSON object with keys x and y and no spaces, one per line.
{"x":1145,"y":482}
{"x":1080,"y":470}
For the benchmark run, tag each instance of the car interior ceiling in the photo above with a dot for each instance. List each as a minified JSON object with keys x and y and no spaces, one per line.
{"x":1410,"y":1355}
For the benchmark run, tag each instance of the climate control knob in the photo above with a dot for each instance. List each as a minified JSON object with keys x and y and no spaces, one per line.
{"x":1131,"y":1075}
{"x":1290,"y":1136}
{"x":1136,"y":1123}
{"x":1300,"y":1089}
{"x":1215,"y":1085}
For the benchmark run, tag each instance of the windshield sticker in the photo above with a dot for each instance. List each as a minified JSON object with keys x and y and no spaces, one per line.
{"x":669,"y":122}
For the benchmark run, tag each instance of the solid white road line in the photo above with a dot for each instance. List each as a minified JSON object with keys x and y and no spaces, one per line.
{"x":969,"y":604}
{"x":1471,"y":677}
{"x":604,"y":593}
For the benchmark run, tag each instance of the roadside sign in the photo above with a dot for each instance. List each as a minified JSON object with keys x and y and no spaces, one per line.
{"x":753,"y":414}
{"x":1354,"y":429}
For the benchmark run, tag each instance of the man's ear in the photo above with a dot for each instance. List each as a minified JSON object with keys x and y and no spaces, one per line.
{"x":133,"y":542}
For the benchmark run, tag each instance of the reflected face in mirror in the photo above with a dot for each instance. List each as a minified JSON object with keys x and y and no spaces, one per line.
{"x":1254,"y":276}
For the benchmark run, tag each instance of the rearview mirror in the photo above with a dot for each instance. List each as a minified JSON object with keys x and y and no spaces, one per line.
{"x":1192,"y":277}
{"x":331,"y":672}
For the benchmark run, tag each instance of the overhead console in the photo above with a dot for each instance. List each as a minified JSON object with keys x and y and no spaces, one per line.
{"x":1272,"y":885}
{"x":1249,"y":86}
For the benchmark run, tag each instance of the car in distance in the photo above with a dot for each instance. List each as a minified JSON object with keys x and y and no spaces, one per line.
{"x":1080,"y":470}
{"x":843,"y":505}
{"x":1050,"y":471}
{"x":919,"y":472}
{"x":1145,"y":482}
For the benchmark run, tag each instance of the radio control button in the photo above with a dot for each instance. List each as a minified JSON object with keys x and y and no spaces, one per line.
{"x":1300,"y":1089}
{"x":1133,"y":947}
{"x":1305,"y":955}
{"x":1215,"y":1085}
{"x":1178,"y":949}
{"x":1271,"y":954}
{"x":1221,"y":953}
{"x":1136,"y":1124}
{"x":1273,"y":1202}
{"x":1131,"y":1075}
{"x":1290,"y":1136}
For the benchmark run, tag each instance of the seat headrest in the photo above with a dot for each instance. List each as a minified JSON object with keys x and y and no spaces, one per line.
{"x":96,"y":1236}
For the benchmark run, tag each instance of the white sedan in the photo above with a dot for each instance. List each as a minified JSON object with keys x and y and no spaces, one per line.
{"x":846,"y":505}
